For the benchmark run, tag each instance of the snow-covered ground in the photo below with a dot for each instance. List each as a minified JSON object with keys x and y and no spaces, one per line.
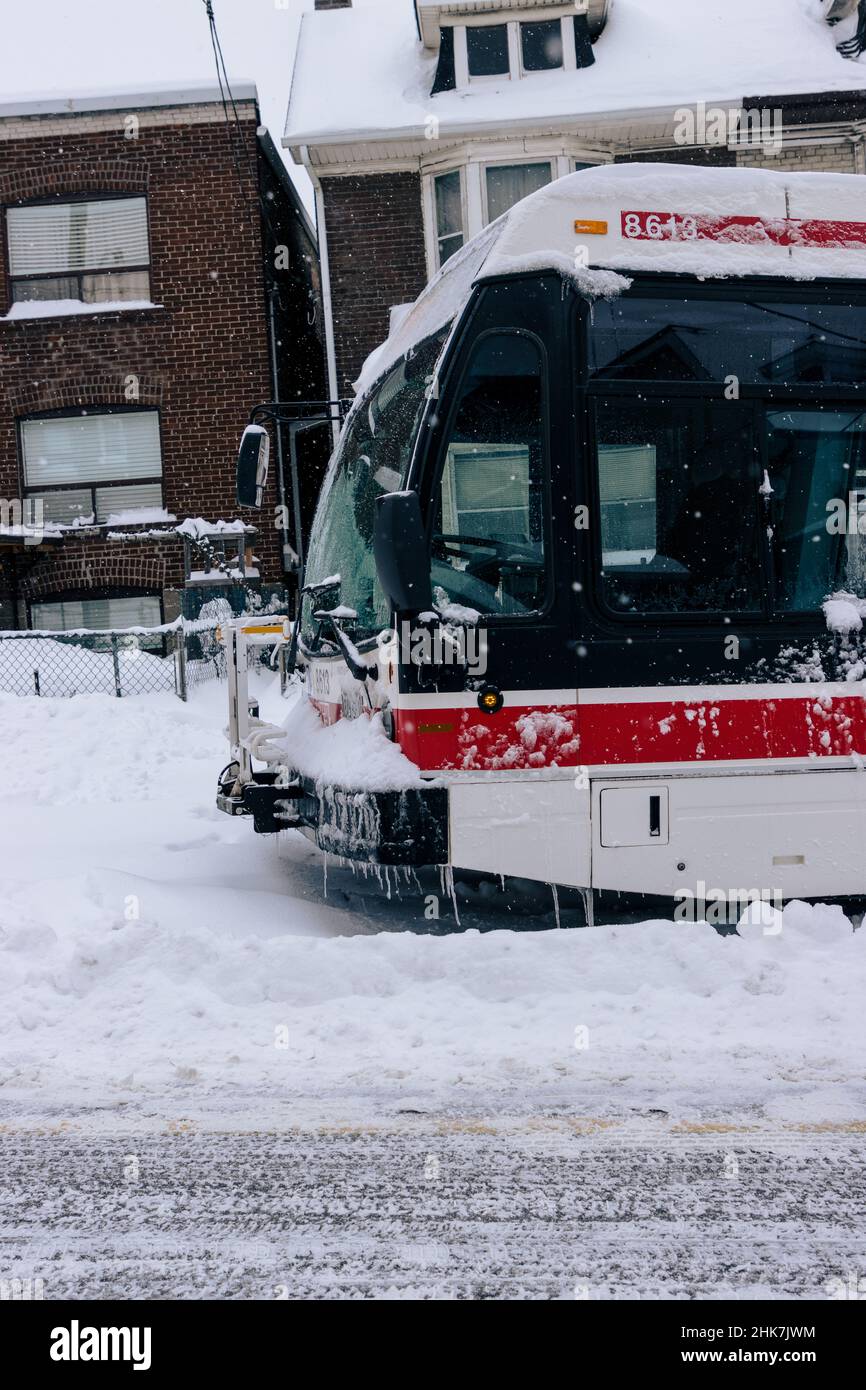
{"x":217,"y":1081}
{"x":156,"y":952}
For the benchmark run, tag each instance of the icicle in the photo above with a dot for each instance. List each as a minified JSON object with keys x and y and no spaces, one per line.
{"x":449,"y":880}
{"x":555,"y":904}
{"x":588,"y":906}
{"x":325,"y":871}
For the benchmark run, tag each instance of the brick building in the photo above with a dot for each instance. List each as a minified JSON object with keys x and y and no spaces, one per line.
{"x":438,"y":115}
{"x":158,"y":277}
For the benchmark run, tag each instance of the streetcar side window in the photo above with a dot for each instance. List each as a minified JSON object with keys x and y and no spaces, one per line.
{"x":678,"y":497}
{"x":488,"y":549}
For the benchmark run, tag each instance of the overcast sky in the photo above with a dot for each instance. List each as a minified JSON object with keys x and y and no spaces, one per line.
{"x":82,"y":46}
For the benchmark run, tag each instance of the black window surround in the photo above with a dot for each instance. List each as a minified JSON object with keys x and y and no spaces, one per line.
{"x":76,"y":277}
{"x":86,"y":485}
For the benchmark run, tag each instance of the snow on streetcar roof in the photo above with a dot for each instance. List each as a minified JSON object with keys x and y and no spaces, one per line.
{"x":712,"y":223}
{"x":361,"y":72}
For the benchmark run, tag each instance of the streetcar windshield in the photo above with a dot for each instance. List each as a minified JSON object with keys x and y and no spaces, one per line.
{"x":372,"y":458}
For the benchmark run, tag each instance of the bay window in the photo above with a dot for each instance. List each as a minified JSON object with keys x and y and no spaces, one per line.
{"x":87,"y":468}
{"x":94,"y":251}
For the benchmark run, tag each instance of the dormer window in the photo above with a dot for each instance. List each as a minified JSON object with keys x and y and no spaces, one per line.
{"x":478,"y":52}
{"x":487,"y":50}
{"x":541,"y":45}
{"x":481,"y":41}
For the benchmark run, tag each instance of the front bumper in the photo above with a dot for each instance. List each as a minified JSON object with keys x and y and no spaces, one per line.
{"x":408,"y":828}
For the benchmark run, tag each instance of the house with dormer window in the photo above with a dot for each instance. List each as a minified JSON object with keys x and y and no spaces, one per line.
{"x":420,"y":121}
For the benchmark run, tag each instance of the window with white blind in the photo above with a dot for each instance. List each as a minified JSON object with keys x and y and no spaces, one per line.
{"x":94,"y":251}
{"x":506,"y":184}
{"x":96,"y":614}
{"x":85,"y":468}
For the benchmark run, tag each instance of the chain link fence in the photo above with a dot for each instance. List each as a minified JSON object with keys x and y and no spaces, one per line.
{"x":177,"y":657}
{"x":135,"y":661}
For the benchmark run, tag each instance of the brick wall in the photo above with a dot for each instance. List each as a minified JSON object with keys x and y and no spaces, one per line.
{"x":376,"y":257}
{"x":201,"y":358}
{"x":96,"y":564}
{"x":837,"y":158}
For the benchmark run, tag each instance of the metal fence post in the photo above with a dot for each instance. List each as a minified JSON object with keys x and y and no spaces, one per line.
{"x":180,"y":662}
{"x":115,"y":661}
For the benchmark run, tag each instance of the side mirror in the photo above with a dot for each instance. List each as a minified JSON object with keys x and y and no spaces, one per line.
{"x":400,"y":550}
{"x":252,"y":470}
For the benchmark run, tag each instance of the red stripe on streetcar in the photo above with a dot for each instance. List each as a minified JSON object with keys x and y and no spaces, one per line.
{"x":663,"y":731}
{"x":743,"y":230}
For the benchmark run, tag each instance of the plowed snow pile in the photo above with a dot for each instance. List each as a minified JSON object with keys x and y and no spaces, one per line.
{"x":155,"y":951}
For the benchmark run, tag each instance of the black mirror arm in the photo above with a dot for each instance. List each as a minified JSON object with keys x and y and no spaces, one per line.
{"x":286,"y":412}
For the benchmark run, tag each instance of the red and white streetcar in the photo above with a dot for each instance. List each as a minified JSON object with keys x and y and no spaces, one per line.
{"x":593,"y":544}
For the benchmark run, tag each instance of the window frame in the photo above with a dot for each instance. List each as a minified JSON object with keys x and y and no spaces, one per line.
{"x":465,"y":231}
{"x":560,"y":67}
{"x":83,"y":485}
{"x":473,"y":78}
{"x":533,"y":617}
{"x":70,"y":200}
{"x":463,"y":79}
{"x":761,"y":397}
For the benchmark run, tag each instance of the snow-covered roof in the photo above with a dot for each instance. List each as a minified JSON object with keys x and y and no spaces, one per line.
{"x":137,"y":98}
{"x":712,"y":223}
{"x":362,"y":74}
